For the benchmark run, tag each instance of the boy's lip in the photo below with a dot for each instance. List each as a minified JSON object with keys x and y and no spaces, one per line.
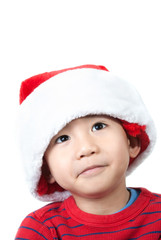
{"x":90,"y":168}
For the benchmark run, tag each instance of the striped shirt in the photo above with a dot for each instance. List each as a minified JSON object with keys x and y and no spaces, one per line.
{"x":65,"y":221}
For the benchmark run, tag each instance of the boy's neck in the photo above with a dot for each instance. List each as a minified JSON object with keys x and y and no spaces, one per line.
{"x":111,"y":203}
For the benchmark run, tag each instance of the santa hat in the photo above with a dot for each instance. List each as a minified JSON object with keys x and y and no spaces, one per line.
{"x":51,"y":100}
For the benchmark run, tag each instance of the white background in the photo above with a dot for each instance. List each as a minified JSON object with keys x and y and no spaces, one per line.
{"x":38,"y":36}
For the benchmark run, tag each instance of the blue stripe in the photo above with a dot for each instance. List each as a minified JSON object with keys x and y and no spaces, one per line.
{"x":150,"y":212}
{"x":156,"y":202}
{"x":44,"y":208}
{"x":34,"y":219}
{"x":56,"y":209}
{"x":99,"y":233}
{"x":145,"y":235}
{"x":22,"y":239}
{"x":34,"y":231}
{"x":132,"y":220}
{"x":68,"y":226}
{"x":37,"y":221}
{"x":85,"y":235}
{"x":157,"y":195}
{"x":49,"y":219}
{"x":56,"y":216}
{"x":53,"y":209}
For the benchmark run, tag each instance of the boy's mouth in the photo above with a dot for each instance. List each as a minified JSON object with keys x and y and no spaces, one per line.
{"x":91,"y":170}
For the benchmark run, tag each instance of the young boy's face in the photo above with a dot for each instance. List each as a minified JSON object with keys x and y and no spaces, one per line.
{"x":89,"y":157}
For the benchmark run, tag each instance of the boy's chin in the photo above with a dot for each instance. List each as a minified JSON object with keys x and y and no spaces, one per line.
{"x":92,"y":193}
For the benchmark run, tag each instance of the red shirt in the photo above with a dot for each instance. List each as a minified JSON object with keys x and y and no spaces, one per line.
{"x":65,"y":221}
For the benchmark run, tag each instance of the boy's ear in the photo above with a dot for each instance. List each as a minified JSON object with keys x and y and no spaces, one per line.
{"x":135,"y":147}
{"x":51,"y":179}
{"x":46,"y":172}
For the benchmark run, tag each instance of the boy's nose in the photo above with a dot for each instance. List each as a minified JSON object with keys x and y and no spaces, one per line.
{"x":86,"y":149}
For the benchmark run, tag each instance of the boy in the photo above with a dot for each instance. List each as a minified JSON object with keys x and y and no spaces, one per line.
{"x":81,"y":131}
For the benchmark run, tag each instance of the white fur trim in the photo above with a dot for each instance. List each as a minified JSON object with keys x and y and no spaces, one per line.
{"x":69,"y":95}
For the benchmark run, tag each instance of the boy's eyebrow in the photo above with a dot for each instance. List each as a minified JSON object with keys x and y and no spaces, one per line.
{"x":96,"y":118}
{"x":107,"y":118}
{"x":101,"y":117}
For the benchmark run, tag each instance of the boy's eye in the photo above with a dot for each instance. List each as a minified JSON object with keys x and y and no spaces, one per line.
{"x":62,"y":138}
{"x":98,"y":126}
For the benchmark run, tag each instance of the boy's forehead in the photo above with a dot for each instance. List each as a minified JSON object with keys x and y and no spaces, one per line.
{"x":88,"y":118}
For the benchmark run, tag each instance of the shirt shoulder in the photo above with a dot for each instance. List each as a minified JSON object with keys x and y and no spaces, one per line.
{"x":37,"y":225}
{"x":154,"y":206}
{"x":50,"y":209}
{"x":152,"y":195}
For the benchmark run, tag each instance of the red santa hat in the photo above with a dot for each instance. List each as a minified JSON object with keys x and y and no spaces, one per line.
{"x":50,"y":100}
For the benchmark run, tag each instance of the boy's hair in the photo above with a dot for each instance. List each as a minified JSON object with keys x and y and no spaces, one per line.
{"x":51,"y":100}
